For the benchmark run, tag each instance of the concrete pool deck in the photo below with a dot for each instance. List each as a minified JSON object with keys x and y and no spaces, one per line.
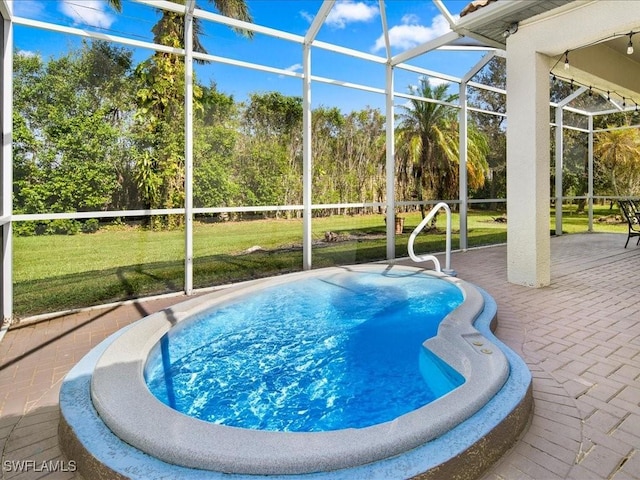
{"x":580,"y":338}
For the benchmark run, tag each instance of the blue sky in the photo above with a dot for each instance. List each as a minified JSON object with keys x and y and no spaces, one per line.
{"x":351,"y":23}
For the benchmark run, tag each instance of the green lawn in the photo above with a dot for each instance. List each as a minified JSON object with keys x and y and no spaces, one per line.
{"x":58,"y":272}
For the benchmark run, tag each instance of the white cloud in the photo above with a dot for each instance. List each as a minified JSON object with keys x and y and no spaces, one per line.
{"x":296,"y":67}
{"x":434,"y":81}
{"x":410,"y":18}
{"x":307,"y":16}
{"x":410,"y":33}
{"x":347,"y":11}
{"x":27,"y":54}
{"x":87,"y":12}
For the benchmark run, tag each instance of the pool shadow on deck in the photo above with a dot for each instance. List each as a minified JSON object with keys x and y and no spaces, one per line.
{"x":97,"y":287}
{"x":126,"y":283}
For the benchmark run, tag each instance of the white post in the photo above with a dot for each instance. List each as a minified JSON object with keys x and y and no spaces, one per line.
{"x":559,"y":165}
{"x":464,"y":147}
{"x":590,"y":174}
{"x":7,"y":162}
{"x":188,"y":147}
{"x":463,"y":189}
{"x":560,"y":154}
{"x":390,"y":167}
{"x":307,"y":168}
{"x":529,"y":246}
{"x":307,"y":154}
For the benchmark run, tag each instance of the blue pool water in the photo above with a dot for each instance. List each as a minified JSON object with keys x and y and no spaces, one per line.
{"x":323,"y":353}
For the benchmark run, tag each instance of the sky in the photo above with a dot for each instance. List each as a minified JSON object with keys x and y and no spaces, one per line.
{"x":351,"y":23}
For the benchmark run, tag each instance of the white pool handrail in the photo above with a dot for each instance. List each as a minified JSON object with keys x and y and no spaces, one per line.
{"x":423,"y":258}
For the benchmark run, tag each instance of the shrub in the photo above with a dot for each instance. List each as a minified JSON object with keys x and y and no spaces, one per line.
{"x":91,"y":226}
{"x":25,"y":229}
{"x":64,"y":226}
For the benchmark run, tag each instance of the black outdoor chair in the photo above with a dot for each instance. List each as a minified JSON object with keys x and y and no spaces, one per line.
{"x":631,"y":210}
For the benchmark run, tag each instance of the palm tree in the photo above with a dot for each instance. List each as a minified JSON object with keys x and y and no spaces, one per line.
{"x":160,"y":163}
{"x":171,"y":23}
{"x":427,"y":146}
{"x":618,"y":152}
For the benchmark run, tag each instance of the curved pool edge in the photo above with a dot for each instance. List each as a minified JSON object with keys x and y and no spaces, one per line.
{"x":489,"y":431}
{"x":124,"y":402}
{"x":495,"y":428}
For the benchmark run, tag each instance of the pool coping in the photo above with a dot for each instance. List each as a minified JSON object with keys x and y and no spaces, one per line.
{"x":76,"y":403}
{"x":126,"y":406}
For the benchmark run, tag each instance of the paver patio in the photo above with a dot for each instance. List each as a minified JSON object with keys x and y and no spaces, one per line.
{"x":580,"y":337}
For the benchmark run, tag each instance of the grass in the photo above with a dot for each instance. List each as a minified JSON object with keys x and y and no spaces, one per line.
{"x":58,"y":272}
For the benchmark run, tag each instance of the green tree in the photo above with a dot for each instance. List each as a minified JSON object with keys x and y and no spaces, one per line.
{"x":618,"y":155}
{"x":427,"y":146}
{"x":270,"y":163}
{"x":160,"y":163}
{"x":68,"y":132}
{"x":327,"y":125}
{"x":359,"y":156}
{"x":492,"y":126}
{"x":216,"y":137}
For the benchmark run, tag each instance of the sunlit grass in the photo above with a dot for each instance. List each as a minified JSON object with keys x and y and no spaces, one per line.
{"x":59,"y":272}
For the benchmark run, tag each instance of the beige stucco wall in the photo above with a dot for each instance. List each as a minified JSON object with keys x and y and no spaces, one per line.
{"x":531,"y":52}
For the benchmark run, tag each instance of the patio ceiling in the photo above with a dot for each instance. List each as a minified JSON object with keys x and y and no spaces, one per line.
{"x":490,"y":19}
{"x":603,"y":64}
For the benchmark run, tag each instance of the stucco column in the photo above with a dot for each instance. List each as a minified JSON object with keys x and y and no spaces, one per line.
{"x":528,"y":242}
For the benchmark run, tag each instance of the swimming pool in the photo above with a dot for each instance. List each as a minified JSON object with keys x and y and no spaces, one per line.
{"x":127,"y":407}
{"x":341,"y":350}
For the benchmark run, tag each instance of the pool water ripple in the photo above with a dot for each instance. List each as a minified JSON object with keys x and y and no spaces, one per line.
{"x":316,"y":355}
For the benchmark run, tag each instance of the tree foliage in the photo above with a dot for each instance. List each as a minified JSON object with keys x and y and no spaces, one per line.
{"x":618,"y":152}
{"x":427,"y":145}
{"x":108,"y":134}
{"x":67,"y":153}
{"x":493,"y":127}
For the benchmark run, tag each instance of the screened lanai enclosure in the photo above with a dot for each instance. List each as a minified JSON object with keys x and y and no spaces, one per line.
{"x":154,"y":147}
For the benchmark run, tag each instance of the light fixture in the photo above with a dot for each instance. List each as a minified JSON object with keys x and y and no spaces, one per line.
{"x":556,"y":76}
{"x":513,"y":28}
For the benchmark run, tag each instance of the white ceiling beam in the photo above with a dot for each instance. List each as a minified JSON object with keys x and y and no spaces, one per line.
{"x":318,"y":21}
{"x":97,"y":35}
{"x":487,"y":87}
{"x":429,"y":73}
{"x":230,"y":22}
{"x":478,"y":66}
{"x":445,"y":13}
{"x":425,"y":47}
{"x":385,"y":29}
{"x":250,"y":65}
{"x":348,"y":51}
{"x":357,"y":86}
{"x":571,"y":97}
{"x":6,"y":9}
